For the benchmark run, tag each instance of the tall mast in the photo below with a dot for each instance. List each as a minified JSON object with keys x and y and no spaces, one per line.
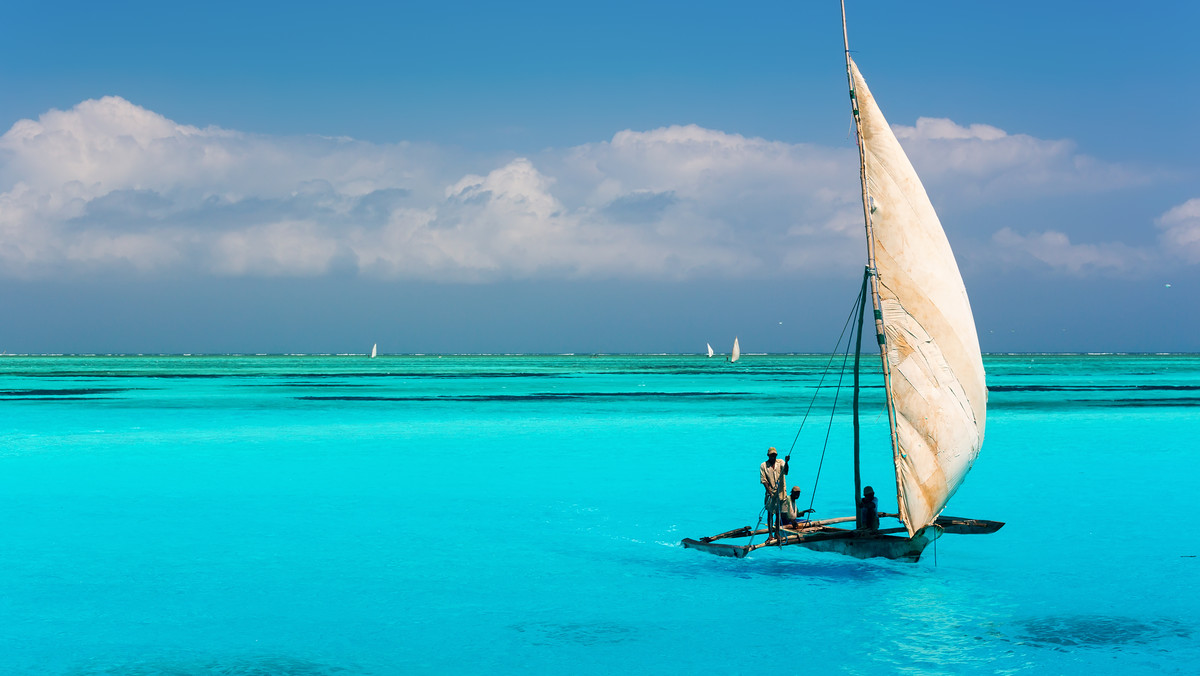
{"x":873,"y":276}
{"x":862,"y":311}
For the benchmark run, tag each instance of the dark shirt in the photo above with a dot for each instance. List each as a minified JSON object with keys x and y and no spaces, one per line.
{"x":868,"y":513}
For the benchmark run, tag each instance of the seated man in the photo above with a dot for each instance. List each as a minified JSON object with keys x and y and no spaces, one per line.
{"x":791,"y":517}
{"x":868,"y":510}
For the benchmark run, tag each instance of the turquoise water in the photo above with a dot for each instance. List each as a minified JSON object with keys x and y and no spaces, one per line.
{"x":423,"y":514}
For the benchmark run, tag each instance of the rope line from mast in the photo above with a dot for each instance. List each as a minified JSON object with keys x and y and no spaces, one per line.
{"x":821,"y":383}
{"x":833,"y":410}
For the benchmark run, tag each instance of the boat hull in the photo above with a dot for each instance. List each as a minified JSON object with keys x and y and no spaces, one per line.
{"x":890,"y":543}
{"x":867,"y":546}
{"x":823,"y":536}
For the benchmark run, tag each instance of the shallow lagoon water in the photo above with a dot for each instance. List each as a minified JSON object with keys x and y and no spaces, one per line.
{"x":425,"y":514}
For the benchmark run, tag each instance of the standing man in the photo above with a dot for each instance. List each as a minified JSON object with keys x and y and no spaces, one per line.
{"x":771,"y":475}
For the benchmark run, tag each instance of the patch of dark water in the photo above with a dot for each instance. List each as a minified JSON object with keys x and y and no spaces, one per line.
{"x":848,"y":571}
{"x":64,"y":392}
{"x":1063,"y":632}
{"x":1092,"y":388}
{"x":93,"y":375}
{"x":1150,"y":403}
{"x":247,"y":374}
{"x":540,"y":396}
{"x":997,"y":403}
{"x":764,"y":563}
{"x":310,"y":383}
{"x":2,"y":398}
{"x":425,"y":375}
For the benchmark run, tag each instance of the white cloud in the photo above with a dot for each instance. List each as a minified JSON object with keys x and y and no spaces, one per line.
{"x":1179,"y":240}
{"x":1181,"y":230}
{"x":1055,"y":250}
{"x":981,"y":162}
{"x":283,"y":248}
{"x":110,"y":185}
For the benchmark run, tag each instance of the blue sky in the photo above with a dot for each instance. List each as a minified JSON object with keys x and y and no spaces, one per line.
{"x":555,"y":177}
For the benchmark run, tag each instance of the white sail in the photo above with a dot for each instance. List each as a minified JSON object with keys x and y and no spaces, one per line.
{"x":737,"y":351}
{"x":374,"y":349}
{"x":935,"y":377}
{"x":710,"y":352}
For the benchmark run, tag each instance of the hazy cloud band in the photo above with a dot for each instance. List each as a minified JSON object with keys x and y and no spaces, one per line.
{"x":108,"y":185}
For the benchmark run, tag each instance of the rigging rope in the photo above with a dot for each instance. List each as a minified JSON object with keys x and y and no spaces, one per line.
{"x":820,"y":383}
{"x":935,"y":539}
{"x":832,"y":411}
{"x":760,"y":517}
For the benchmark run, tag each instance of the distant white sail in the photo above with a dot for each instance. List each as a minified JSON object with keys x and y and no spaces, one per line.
{"x":737,"y":351}
{"x":710,"y":352}
{"x":373,"y":350}
{"x":936,"y":387}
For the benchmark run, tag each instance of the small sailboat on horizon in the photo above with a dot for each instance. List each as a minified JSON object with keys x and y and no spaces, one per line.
{"x":709,"y":346}
{"x":932,"y":368}
{"x":737,"y":351}
{"x":374,"y":350}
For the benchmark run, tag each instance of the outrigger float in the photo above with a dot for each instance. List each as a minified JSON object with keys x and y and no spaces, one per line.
{"x":932,"y":366}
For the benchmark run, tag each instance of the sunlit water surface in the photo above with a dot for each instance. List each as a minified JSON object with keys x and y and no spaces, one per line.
{"x":424,"y":514}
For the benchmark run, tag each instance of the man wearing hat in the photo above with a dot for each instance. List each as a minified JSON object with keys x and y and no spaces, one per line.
{"x":791,"y":516}
{"x":771,"y":475}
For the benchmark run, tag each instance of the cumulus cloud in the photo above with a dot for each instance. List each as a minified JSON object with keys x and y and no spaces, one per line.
{"x":1178,"y":241}
{"x":983,"y":163}
{"x":1181,"y":230}
{"x":1055,"y":250}
{"x":110,"y":185}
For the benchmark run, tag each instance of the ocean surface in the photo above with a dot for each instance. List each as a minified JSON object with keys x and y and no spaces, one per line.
{"x":510,"y":514}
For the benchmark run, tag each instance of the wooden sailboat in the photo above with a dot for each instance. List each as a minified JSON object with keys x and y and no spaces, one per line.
{"x":736,"y":353}
{"x":932,"y":367}
{"x":709,"y":346}
{"x":374,"y":350}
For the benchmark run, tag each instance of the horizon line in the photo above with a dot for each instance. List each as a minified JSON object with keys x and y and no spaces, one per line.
{"x":563,"y":354}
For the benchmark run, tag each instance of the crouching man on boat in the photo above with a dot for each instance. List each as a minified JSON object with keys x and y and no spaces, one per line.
{"x":771,"y":475}
{"x":868,"y":510}
{"x":792,"y":516}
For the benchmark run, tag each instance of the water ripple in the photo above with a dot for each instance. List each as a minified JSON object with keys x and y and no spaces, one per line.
{"x":270,"y":665}
{"x":577,"y":633}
